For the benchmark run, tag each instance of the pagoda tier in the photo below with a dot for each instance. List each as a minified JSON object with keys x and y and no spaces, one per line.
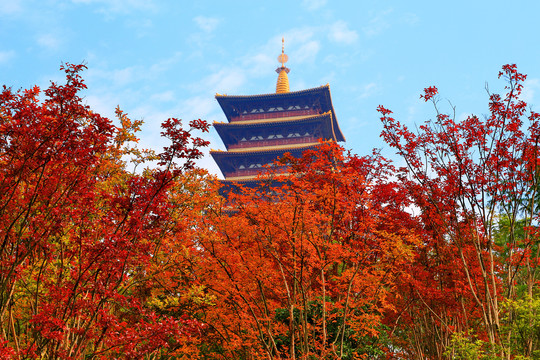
{"x":278,"y":131}
{"x":246,"y":164}
{"x":280,"y":105}
{"x":262,"y":128}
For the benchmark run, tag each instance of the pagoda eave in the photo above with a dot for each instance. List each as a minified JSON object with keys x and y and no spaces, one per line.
{"x":224,"y":98}
{"x":271,"y":121}
{"x":274,"y":150}
{"x":311,"y":127}
{"x":232,"y":105}
{"x":254,"y":161}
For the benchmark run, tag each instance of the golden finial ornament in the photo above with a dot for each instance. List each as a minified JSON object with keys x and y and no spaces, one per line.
{"x":283,"y":58}
{"x":283,"y":80}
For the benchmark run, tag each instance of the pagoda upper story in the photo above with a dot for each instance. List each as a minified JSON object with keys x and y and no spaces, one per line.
{"x":261,"y":128}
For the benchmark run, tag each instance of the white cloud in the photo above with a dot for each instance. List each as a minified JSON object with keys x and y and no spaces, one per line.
{"x":297,"y":36}
{"x":529,"y":90}
{"x":198,"y":107}
{"x":412,"y":112}
{"x":355,"y":123}
{"x":260,"y":63}
{"x":369,"y":90}
{"x":340,"y":33}
{"x":120,"y":6}
{"x":377,"y":24}
{"x":125,"y":76}
{"x":165,"y":96}
{"x":141,"y":27}
{"x":103,"y":103}
{"x":131,"y":74}
{"x":6,"y":56}
{"x":117,"y":78}
{"x":49,"y":41}
{"x":228,"y":80}
{"x":410,"y":18}
{"x":307,"y":52}
{"x":207,"y":24}
{"x":10,"y":6}
{"x":313,"y":4}
{"x":166,"y":64}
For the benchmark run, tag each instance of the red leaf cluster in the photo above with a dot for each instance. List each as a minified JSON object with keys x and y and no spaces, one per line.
{"x":79,"y":230}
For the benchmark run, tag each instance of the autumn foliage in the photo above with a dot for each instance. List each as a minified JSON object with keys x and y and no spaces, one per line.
{"x":306,"y":269}
{"x":474,"y":182}
{"x":112,"y":251}
{"x":79,"y":231}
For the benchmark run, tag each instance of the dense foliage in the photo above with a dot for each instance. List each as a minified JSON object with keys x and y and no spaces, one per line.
{"x":79,"y":233}
{"x":111,"y":251}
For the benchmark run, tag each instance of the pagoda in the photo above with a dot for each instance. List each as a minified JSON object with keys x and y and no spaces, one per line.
{"x":261,"y":128}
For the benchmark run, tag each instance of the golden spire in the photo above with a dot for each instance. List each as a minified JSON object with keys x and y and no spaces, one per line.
{"x":283,"y":80}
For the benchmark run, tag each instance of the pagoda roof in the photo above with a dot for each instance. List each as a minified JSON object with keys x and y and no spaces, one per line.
{"x":223,"y":98}
{"x":254,"y":178}
{"x":231,"y":104}
{"x":265,"y":154}
{"x":267,"y":150}
{"x":226,"y":129}
{"x":241,"y":178}
{"x":272,"y":122}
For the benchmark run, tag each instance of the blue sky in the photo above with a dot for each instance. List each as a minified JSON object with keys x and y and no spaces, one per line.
{"x":161,"y":59}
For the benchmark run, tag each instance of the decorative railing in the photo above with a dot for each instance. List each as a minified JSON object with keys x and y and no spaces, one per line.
{"x":273,"y":142}
{"x":274,"y":115}
{"x":256,"y":171}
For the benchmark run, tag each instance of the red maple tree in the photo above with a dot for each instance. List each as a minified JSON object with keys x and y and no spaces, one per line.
{"x":475,"y":184}
{"x":78,"y":228}
{"x":306,"y":268}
